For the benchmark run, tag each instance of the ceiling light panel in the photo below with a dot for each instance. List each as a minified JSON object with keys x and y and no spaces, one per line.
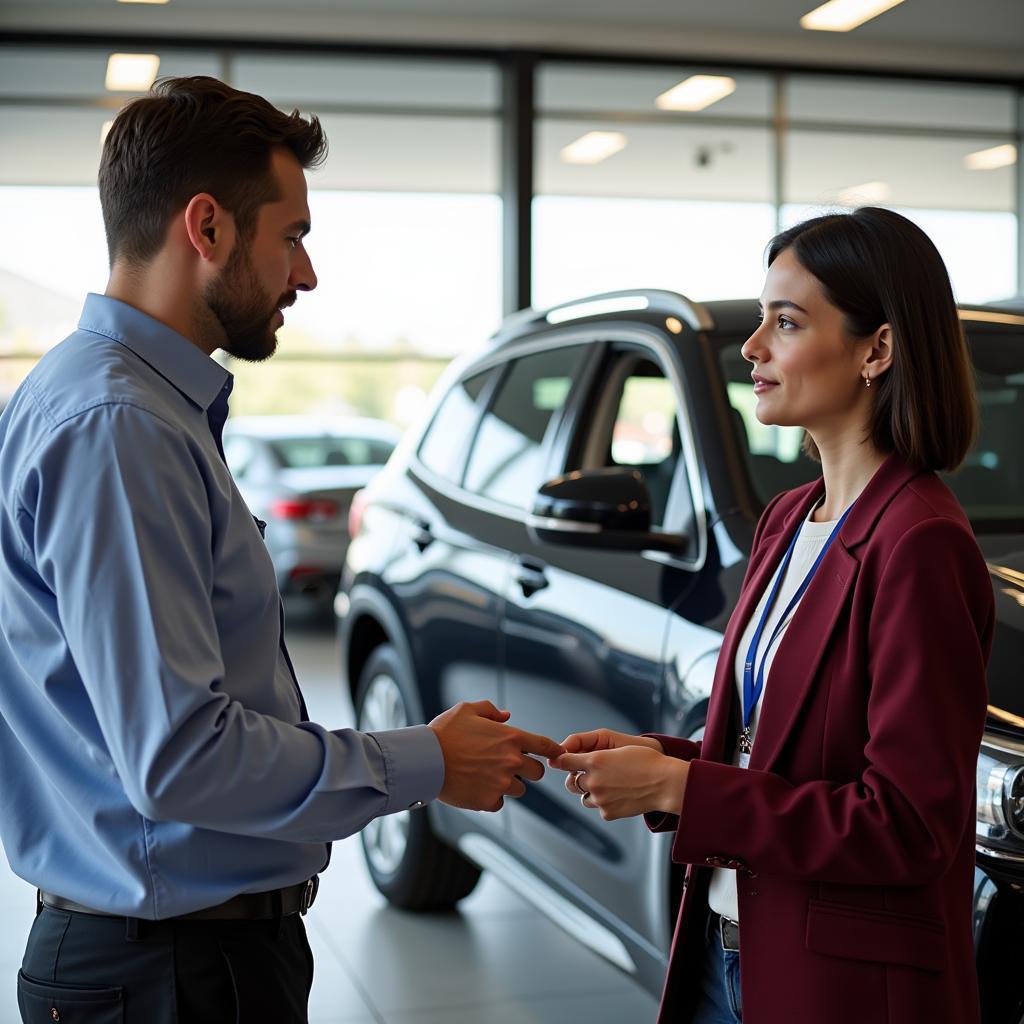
{"x":844,"y":15}
{"x":143,"y":1}
{"x":991,"y":159}
{"x":593,"y":147}
{"x":131,"y":72}
{"x":696,"y":92}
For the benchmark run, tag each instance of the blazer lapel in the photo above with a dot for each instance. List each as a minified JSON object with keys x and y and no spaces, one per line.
{"x":795,"y":667}
{"x":796,"y":663}
{"x":719,"y":728}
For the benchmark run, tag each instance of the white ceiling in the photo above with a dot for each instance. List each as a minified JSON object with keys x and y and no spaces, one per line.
{"x":984,"y":37}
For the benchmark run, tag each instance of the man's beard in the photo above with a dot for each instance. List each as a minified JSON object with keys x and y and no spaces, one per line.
{"x":243,"y":310}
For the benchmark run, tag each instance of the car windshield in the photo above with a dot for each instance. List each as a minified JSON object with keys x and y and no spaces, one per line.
{"x":989,"y":484}
{"x":312,"y":452}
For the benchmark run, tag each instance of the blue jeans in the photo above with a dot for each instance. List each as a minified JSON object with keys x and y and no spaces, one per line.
{"x":719,"y":1001}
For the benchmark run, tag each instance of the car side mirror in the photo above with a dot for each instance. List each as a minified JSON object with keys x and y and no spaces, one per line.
{"x":608,"y":509}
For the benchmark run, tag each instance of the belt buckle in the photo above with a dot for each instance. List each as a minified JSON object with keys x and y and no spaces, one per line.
{"x":308,"y":894}
{"x":722,"y":922}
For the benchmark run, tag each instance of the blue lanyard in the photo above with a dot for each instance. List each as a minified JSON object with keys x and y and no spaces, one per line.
{"x":752,"y":690}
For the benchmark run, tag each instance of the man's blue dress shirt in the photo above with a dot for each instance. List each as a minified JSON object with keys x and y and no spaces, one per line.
{"x":154,"y":753}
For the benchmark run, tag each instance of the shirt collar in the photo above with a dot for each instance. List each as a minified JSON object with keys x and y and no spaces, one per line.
{"x":189,"y":369}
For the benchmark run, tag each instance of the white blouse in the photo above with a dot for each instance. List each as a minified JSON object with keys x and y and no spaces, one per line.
{"x":813,"y":536}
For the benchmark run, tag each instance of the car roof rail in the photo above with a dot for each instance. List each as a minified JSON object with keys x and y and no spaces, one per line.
{"x":656,"y":300}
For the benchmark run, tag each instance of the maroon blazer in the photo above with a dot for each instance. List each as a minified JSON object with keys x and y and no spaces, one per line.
{"x":852,"y":831}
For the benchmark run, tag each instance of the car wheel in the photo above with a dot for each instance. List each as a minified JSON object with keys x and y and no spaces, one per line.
{"x":412,"y":867}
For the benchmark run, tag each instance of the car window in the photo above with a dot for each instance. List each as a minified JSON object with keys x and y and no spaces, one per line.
{"x":990,"y":483}
{"x":634,"y":422}
{"x":312,"y":452}
{"x":443,"y":448}
{"x":506,"y":462}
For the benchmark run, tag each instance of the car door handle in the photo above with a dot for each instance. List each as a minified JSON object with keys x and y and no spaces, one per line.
{"x":530,"y":577}
{"x":422,"y":536}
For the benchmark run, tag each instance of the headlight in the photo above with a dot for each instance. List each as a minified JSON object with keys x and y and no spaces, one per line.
{"x":1000,"y":798}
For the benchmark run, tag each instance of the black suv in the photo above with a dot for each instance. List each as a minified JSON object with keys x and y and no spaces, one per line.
{"x":505,"y":553}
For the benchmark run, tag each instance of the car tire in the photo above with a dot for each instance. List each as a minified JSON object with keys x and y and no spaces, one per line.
{"x":409,"y":865}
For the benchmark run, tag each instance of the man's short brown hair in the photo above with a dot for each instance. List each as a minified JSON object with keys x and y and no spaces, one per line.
{"x":192,"y":135}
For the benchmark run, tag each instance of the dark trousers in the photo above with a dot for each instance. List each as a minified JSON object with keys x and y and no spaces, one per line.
{"x":87,"y":969}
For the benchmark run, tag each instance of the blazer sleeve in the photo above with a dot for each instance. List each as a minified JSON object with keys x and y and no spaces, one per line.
{"x":903,"y":820}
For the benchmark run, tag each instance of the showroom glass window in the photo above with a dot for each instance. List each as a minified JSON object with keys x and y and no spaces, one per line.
{"x":54,"y":107}
{"x":634,"y":191}
{"x":406,"y":216}
{"x":406,"y":228}
{"x":942,"y":154}
{"x":506,"y":462}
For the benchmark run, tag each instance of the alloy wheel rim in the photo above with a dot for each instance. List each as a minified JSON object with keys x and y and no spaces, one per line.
{"x":385,"y":838}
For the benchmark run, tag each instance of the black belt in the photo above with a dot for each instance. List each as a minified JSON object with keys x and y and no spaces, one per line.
{"x":256,"y":906}
{"x":728,"y":931}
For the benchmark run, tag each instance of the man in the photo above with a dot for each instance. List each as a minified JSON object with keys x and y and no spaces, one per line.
{"x":162,"y":786}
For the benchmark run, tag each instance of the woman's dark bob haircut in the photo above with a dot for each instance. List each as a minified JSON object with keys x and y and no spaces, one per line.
{"x":880,"y":268}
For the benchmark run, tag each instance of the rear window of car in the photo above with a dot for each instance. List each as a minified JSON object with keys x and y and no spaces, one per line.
{"x":313,"y":452}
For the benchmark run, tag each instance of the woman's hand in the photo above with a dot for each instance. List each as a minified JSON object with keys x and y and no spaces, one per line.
{"x":625,"y":781}
{"x":604,"y":739}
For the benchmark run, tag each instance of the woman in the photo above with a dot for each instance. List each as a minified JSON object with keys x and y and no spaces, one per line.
{"x":827,"y":814}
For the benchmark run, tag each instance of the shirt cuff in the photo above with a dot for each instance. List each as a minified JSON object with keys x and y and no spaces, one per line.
{"x":414,"y":766}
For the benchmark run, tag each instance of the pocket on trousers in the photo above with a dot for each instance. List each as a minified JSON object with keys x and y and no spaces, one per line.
{"x":53,"y":1002}
{"x":882,"y":936}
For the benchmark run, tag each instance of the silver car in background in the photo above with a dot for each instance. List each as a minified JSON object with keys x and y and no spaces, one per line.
{"x":298,"y":474}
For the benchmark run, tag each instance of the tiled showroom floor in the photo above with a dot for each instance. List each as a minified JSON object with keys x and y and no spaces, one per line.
{"x":496,"y":961}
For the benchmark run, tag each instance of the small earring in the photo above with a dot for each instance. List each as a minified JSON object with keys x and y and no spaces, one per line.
{"x":867,"y":381}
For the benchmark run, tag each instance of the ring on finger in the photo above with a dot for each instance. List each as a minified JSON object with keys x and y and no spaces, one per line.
{"x":583,"y":798}
{"x":576,"y":780}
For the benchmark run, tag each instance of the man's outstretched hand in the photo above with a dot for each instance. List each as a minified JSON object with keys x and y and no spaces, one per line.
{"x":486,"y":760}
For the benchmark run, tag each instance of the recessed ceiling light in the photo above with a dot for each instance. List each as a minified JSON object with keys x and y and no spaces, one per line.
{"x":843,"y":15}
{"x":131,"y":72}
{"x":105,"y":131}
{"x":593,"y":147}
{"x":696,"y":92}
{"x":143,"y":1}
{"x":991,"y":159}
{"x":868,"y":192}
